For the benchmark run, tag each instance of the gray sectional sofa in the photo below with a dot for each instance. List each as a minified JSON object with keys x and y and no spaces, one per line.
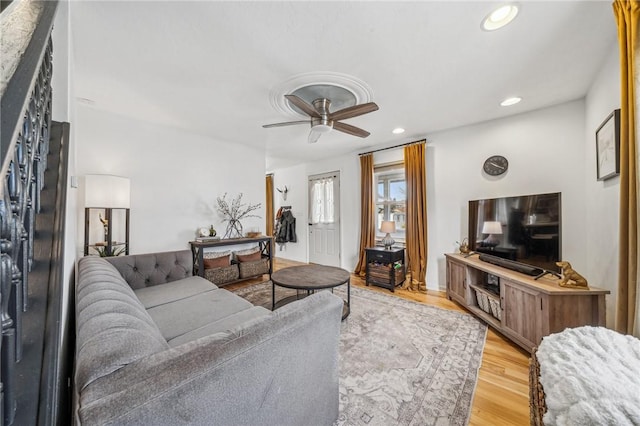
{"x":158,"y":346}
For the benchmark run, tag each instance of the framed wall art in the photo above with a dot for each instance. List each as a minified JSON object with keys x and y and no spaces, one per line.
{"x":608,"y":147}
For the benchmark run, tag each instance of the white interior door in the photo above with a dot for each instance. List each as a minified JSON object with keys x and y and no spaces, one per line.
{"x":324,"y":219}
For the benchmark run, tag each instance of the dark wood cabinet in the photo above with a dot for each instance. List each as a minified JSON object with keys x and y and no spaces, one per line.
{"x":385,"y":268}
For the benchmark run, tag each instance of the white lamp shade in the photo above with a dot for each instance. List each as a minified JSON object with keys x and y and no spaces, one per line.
{"x":388,"y":226}
{"x":492,"y":228}
{"x":107,"y":191}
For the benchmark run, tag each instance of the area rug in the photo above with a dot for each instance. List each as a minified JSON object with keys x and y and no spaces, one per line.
{"x":401,"y":362}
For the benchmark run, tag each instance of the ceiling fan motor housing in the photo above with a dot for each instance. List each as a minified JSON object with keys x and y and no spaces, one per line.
{"x":322,"y":124}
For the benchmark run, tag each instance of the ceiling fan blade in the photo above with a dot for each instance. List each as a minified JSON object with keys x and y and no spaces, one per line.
{"x":308,"y":109}
{"x":352,"y":130}
{"x":288,"y":123}
{"x":353,"y":111}
{"x":314,"y":136}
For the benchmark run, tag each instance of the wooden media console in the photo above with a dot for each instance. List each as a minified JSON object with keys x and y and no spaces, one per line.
{"x":523,"y":309}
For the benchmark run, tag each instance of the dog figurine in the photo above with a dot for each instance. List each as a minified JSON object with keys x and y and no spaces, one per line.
{"x":571,"y":278}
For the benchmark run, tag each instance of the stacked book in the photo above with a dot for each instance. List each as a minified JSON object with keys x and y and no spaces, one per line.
{"x":207,"y":239}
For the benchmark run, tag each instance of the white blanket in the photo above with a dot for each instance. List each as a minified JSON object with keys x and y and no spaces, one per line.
{"x":590,"y":376}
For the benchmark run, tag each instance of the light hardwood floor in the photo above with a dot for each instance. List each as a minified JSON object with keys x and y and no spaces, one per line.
{"x":502,"y":392}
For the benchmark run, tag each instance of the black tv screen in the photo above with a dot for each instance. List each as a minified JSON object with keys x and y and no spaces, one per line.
{"x":525,"y":229}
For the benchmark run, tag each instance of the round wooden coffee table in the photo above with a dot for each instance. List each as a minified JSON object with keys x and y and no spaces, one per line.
{"x":310,"y":278}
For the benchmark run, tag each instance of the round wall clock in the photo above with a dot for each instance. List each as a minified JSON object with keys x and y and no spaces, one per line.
{"x":495,"y":165}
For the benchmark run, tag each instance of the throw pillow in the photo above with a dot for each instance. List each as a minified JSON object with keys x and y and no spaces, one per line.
{"x":248,"y":257}
{"x":247,"y":251}
{"x":215,"y":254}
{"x":217,"y":262}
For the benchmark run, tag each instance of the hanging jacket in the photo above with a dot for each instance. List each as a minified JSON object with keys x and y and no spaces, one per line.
{"x":286,"y":229}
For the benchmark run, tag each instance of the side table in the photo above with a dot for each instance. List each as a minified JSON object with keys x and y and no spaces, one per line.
{"x":385,"y":268}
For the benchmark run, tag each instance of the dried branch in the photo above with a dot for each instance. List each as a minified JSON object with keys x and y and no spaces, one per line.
{"x":234,"y":212}
{"x":237,"y":210}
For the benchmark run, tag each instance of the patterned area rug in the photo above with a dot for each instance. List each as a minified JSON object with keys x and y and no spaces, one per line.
{"x":401,"y":362}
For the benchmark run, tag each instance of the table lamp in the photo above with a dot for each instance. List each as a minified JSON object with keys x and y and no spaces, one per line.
{"x":388,"y":227}
{"x":492,"y":228}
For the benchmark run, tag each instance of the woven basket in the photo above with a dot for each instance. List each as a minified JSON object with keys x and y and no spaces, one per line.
{"x":384,"y":273}
{"x":494,"y":304}
{"x":222,"y":275}
{"x":537,"y":405}
{"x":483,"y":301}
{"x":488,"y":303}
{"x":254,"y":268}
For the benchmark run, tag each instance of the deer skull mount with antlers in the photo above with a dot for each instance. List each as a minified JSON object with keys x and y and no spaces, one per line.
{"x":283,"y":192}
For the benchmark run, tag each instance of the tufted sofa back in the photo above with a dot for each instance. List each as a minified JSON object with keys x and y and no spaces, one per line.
{"x":144,"y":270}
{"x":112,"y":325}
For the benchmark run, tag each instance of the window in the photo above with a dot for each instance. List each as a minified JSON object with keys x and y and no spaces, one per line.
{"x":390,"y":198}
{"x":322,"y":202}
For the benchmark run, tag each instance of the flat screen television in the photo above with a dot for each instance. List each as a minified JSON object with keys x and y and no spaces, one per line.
{"x":525,"y":229}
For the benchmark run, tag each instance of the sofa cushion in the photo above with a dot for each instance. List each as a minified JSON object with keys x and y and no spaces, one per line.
{"x":215,"y":254}
{"x":217,"y":262}
{"x":247,"y":251}
{"x":235,"y":321}
{"x":182,"y":316}
{"x":112,"y":326}
{"x":252,"y":257}
{"x":175,"y":290}
{"x":144,"y":270}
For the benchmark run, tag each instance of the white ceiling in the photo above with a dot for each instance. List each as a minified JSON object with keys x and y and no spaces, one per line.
{"x":209,"y":67}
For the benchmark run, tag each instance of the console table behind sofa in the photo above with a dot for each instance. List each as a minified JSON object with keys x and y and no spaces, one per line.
{"x":264,"y":243}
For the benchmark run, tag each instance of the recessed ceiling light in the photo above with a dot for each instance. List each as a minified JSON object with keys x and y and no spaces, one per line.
{"x":499,"y":17}
{"x":510,"y":101}
{"x":397,"y":130}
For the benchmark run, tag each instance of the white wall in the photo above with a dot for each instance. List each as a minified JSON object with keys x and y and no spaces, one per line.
{"x":175,"y":177}
{"x":602,"y":199}
{"x":294,"y":178}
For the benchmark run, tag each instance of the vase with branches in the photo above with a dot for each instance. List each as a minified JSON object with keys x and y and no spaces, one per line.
{"x":233,"y":212}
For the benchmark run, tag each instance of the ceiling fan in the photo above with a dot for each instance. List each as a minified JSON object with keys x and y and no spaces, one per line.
{"x":322,"y":120}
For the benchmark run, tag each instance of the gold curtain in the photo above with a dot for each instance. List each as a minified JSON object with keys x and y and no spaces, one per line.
{"x":269,"y":206}
{"x":416,"y":238}
{"x":367,"y":223}
{"x":627,"y":14}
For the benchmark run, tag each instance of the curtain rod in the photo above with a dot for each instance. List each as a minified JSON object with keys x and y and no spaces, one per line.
{"x":395,"y":146}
